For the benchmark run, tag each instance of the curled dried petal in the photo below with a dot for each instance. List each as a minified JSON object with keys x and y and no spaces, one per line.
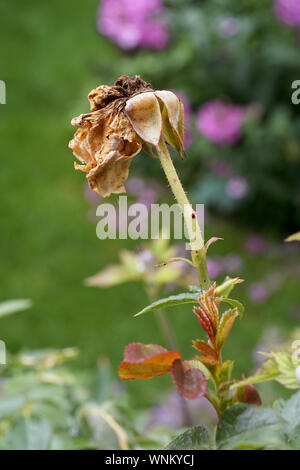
{"x":172,"y":103}
{"x":105,"y":144}
{"x":103,"y":95}
{"x":143,"y":111}
{"x":173,"y":119}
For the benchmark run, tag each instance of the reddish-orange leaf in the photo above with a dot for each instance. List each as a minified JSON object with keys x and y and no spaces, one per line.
{"x":146,"y":361}
{"x":137,"y":352}
{"x":205,"y":349}
{"x":206,"y":323}
{"x":210,"y":363}
{"x":209,"y":304}
{"x":190,"y":383}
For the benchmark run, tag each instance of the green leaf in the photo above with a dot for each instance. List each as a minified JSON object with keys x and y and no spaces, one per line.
{"x":290,"y":411}
{"x":247,"y":427}
{"x":193,"y":439}
{"x":171,"y":301}
{"x":10,"y":406}
{"x":225,"y":326}
{"x":226,"y":287}
{"x":12,"y":306}
{"x":29,"y":434}
{"x":235,"y":304}
{"x":279,"y":366}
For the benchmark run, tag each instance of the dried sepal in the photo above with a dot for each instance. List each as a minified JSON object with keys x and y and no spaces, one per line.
{"x":190,"y":383}
{"x":172,"y":104}
{"x":172,"y":119}
{"x":143,"y":112}
{"x":146,"y":361}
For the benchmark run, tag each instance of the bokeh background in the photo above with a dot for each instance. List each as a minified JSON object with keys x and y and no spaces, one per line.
{"x":233,"y":64}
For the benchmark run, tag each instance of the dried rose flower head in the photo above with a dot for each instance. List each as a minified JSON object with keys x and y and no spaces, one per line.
{"x":124,"y":118}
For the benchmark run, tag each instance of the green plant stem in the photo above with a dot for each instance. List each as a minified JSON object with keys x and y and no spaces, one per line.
{"x":198,"y":250}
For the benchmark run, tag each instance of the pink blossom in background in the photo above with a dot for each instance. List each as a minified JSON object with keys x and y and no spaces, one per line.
{"x":135,"y":186}
{"x":272,"y":339}
{"x":170,"y":413}
{"x":146,"y":260}
{"x":222,"y":169}
{"x":232,"y":263}
{"x":147,"y":192}
{"x":221,"y":123}
{"x":255,"y":244}
{"x":237,"y":187}
{"x":288,"y":12}
{"x":258,"y":292}
{"x":148,"y":197}
{"x":133,"y":23}
{"x":214,"y":267}
{"x":229,"y":27}
{"x":90,"y":195}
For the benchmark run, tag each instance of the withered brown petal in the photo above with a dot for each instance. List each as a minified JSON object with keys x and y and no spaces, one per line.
{"x":143,"y":111}
{"x":106,"y":143}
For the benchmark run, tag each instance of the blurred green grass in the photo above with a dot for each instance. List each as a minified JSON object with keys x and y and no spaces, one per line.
{"x":50,"y":56}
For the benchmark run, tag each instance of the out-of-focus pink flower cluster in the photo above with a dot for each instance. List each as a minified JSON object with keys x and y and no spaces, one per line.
{"x":288,"y":11}
{"x":220,"y":122}
{"x":229,"y":27}
{"x":170,"y":413}
{"x":230,"y":264}
{"x":133,"y":23}
{"x":146,"y":192}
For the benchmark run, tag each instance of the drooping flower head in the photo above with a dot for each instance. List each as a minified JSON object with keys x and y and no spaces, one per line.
{"x":132,"y":24}
{"x":220,"y":122}
{"x":124,"y":118}
{"x":288,"y":12}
